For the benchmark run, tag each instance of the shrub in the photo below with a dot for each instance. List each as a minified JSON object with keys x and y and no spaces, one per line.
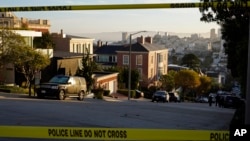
{"x":98,"y":93}
{"x":106,"y":92}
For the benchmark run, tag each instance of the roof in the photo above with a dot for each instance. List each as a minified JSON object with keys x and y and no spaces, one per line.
{"x":108,"y":49}
{"x":79,"y":37}
{"x":64,"y":54}
{"x":146,"y":47}
{"x":136,"y":47}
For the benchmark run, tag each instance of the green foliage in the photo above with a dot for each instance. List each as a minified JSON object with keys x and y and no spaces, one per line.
{"x":9,"y":41}
{"x":167,"y":81}
{"x":205,"y":85}
{"x":188,"y":80}
{"x":191,"y":61}
{"x":88,"y":67}
{"x":98,"y":93}
{"x":26,"y":60}
{"x":125,"y":92}
{"x":123,"y":76}
{"x":45,"y":41}
{"x":13,"y":89}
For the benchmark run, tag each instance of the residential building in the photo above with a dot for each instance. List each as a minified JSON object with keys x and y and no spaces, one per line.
{"x":10,"y":20}
{"x":7,"y":72}
{"x":106,"y":54}
{"x":70,"y":65}
{"x":149,"y":59}
{"x":106,"y":80}
{"x":72,"y":44}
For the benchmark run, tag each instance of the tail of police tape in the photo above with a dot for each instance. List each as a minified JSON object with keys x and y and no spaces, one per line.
{"x":217,"y":5}
{"x":78,"y":133}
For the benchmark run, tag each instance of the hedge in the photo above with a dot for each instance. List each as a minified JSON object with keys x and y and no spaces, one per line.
{"x":98,"y":93}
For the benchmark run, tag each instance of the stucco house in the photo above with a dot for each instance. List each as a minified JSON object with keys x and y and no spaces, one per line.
{"x":68,"y":53}
{"x":72,"y":44}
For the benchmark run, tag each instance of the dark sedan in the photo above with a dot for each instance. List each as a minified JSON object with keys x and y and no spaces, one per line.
{"x":232,"y":102}
{"x":159,"y":96}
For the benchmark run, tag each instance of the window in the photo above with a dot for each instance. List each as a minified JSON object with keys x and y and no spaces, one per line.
{"x":79,"y":49}
{"x":138,"y":59}
{"x":151,"y":72}
{"x":125,"y":59}
{"x":140,"y":73}
{"x":160,"y":58}
{"x":114,"y":59}
{"x":73,"y":47}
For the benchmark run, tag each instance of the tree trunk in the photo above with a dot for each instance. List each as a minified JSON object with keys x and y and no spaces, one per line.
{"x":29,"y":90}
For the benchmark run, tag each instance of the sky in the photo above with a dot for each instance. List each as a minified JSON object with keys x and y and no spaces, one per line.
{"x":95,"y":21}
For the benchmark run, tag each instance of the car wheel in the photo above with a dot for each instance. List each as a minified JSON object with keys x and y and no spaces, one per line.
{"x":61,"y":95}
{"x":81,"y":96}
{"x":39,"y":95}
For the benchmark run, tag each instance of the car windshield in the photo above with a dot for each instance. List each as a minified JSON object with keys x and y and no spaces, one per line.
{"x":59,"y":79}
{"x":160,"y":93}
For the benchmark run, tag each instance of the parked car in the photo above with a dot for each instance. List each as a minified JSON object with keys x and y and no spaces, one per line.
{"x":139,"y":93}
{"x":173,"y":97}
{"x":62,"y":86}
{"x":232,"y":101}
{"x":201,"y":99}
{"x":160,"y":96}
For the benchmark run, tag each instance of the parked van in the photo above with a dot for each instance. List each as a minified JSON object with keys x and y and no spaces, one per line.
{"x":174,"y":97}
{"x":62,"y":86}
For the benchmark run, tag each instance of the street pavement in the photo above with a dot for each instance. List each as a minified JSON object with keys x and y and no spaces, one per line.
{"x":111,"y":112}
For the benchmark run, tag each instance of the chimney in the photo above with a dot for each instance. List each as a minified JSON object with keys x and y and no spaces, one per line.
{"x":149,"y":40}
{"x":99,"y":43}
{"x":140,"y":40}
{"x":61,"y":33}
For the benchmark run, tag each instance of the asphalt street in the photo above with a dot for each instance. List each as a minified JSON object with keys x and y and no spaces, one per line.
{"x":111,"y":112}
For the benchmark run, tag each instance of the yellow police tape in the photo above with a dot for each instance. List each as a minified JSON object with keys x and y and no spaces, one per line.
{"x":78,"y":133}
{"x":233,"y":4}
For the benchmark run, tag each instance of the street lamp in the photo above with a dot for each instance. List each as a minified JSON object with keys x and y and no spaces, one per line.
{"x":129,"y":71}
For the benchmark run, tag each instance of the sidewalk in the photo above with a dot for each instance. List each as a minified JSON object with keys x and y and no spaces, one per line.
{"x":113,"y":98}
{"x":121,"y":97}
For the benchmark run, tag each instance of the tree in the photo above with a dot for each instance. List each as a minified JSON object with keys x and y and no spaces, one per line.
{"x":45,"y":41}
{"x":191,"y":61}
{"x":187,"y":80}
{"x":205,"y":85}
{"x":87,"y":70}
{"x":25,"y":59}
{"x":234,"y":22}
{"x":123,"y":77}
{"x":167,"y":81}
{"x":8,"y":40}
{"x":30,"y":62}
